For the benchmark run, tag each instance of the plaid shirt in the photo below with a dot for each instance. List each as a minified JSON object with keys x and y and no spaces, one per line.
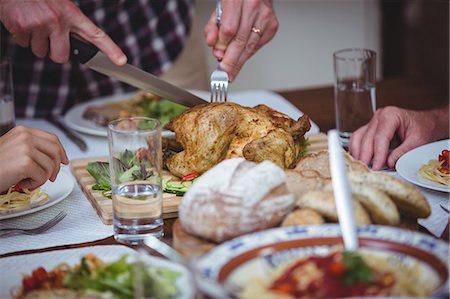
{"x":151,"y":33}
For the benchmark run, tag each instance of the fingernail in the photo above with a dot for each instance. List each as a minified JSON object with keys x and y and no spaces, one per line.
{"x":218,"y":54}
{"x":122,"y":60}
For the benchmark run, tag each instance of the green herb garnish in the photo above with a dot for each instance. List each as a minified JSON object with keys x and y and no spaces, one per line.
{"x":356,"y":270}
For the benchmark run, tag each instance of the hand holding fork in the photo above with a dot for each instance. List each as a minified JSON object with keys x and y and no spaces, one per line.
{"x":219,"y":78}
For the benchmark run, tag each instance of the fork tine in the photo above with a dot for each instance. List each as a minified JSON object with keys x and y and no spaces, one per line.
{"x":221,"y":93}
{"x":225,"y":92}
{"x":49,"y":224}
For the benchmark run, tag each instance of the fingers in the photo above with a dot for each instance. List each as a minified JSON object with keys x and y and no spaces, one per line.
{"x":370,"y":143}
{"x":87,"y":30}
{"x":211,"y":31}
{"x":355,"y":142}
{"x":59,"y":46}
{"x":366,"y":145}
{"x":406,"y":146}
{"x":22,"y":39}
{"x":39,"y":42}
{"x":55,"y":149}
{"x":254,"y":43}
{"x":38,"y":153}
{"x":383,"y":136}
{"x":34,"y":179}
{"x":231,"y":20}
{"x":240,"y":41}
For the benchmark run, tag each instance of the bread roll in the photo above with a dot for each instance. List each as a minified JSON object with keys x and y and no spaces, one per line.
{"x":376,"y":202}
{"x":234,"y":198}
{"x":300,"y":182}
{"x":320,"y":163}
{"x":323,"y":202}
{"x":408,"y":199}
{"x":302,"y":217}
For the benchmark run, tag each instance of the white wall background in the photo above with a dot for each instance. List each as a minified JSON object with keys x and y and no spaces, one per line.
{"x":310,"y":31}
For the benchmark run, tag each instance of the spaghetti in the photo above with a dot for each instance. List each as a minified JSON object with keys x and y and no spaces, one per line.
{"x":437,"y":170}
{"x":14,"y":199}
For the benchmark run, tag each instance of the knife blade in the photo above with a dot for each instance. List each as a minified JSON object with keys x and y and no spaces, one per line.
{"x":59,"y":123}
{"x":90,"y":56}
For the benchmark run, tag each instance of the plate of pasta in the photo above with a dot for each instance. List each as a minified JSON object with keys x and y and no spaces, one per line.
{"x":427,"y":166}
{"x":15,"y":203}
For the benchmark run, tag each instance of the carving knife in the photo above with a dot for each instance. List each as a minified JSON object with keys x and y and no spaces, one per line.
{"x":92,"y":57}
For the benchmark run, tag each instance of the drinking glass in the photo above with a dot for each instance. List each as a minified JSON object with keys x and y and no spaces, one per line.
{"x":135,"y":161}
{"x":354,"y":90}
{"x":7,"y":116}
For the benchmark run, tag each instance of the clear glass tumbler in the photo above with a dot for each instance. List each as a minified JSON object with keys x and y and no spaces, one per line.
{"x":7,"y":116}
{"x":354,"y":90}
{"x":135,"y":158}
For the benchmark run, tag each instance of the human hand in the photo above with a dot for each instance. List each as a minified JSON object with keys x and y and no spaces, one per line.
{"x":29,"y":157}
{"x":371,"y":142}
{"x":46,"y":25}
{"x":236,"y":40}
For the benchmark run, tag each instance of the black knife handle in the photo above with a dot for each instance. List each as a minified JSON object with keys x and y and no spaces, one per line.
{"x":80,"y":51}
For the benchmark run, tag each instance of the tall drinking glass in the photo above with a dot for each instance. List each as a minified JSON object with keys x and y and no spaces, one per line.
{"x":354,"y":90}
{"x":7,"y":116}
{"x":135,"y":158}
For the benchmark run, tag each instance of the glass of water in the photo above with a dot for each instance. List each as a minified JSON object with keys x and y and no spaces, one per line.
{"x":135,"y":161}
{"x":354,"y":90}
{"x":7,"y":116}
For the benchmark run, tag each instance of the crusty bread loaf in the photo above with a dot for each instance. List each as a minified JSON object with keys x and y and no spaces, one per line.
{"x":234,"y":198}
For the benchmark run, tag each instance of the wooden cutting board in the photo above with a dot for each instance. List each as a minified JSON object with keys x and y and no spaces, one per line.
{"x":103,"y":205}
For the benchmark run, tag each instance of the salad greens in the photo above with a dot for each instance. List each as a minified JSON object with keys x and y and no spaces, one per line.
{"x":130,"y":168}
{"x":100,"y":172}
{"x":163,"y":110}
{"x":119,"y":278}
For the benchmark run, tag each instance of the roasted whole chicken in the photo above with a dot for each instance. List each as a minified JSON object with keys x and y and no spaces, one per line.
{"x":213,"y":132}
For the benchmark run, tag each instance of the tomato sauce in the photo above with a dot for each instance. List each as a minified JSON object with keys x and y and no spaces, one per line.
{"x":330,"y":282}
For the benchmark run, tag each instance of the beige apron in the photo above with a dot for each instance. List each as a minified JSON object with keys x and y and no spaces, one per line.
{"x":190,"y":69}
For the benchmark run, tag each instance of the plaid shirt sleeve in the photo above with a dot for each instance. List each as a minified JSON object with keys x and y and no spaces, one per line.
{"x":151,"y":33}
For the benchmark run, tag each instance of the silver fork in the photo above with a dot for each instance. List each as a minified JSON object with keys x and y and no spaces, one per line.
{"x":5,"y":232}
{"x":219,"y":78}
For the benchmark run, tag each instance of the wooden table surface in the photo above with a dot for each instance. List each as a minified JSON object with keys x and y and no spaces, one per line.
{"x":318,"y":104}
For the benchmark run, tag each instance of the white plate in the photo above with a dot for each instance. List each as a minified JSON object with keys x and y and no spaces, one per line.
{"x":16,"y":266}
{"x":74,"y":117}
{"x":57,"y":191}
{"x":237,"y":260}
{"x":409,"y":164}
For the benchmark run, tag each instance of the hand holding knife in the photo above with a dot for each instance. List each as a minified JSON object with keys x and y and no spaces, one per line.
{"x":90,"y":56}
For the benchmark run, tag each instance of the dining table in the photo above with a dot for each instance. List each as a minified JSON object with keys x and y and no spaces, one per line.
{"x":317,"y":102}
